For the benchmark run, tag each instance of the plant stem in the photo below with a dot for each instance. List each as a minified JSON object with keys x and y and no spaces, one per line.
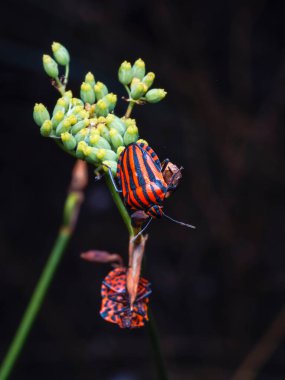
{"x":60,"y":87}
{"x":71,"y":209}
{"x":156,"y":348}
{"x":152,"y":330}
{"x":118,"y":201}
{"x":130,"y":108}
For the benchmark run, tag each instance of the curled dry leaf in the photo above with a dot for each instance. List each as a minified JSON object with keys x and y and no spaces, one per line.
{"x":103,"y":257}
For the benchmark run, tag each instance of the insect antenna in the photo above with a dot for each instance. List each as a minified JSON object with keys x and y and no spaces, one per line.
{"x":176,"y":221}
{"x":145,"y":227}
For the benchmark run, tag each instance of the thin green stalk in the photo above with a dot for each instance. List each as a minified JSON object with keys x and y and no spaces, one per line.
{"x":122,"y":209}
{"x":71,"y":209}
{"x":152,"y":330}
{"x":156,"y":348}
{"x":60,"y":87}
{"x":34,"y":304}
{"x":130,"y":108}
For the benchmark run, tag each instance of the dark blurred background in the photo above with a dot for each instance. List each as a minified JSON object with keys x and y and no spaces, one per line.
{"x":216,"y":290}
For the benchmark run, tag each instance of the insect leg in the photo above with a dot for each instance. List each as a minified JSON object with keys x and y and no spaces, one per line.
{"x":164,"y":164}
{"x":112,"y":179}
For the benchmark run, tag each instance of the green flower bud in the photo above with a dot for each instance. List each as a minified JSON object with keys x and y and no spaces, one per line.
{"x":110,"y":164}
{"x":131,"y":135}
{"x":46,"y":128}
{"x":61,"y":105}
{"x":148,"y":79}
{"x":100,"y":90}
{"x":80,"y":150}
{"x":68,"y":94}
{"x":129,"y":122}
{"x":116,"y":138}
{"x":91,"y":154}
{"x":104,"y":131}
{"x":125,"y":73}
{"x":86,"y":93}
{"x":81,"y":135}
{"x":82,"y":115}
{"x":101,"y":108}
{"x":40,"y":114}
{"x":139,"y":69}
{"x":77,"y":102}
{"x":120,"y":150}
{"x":60,"y":53}
{"x":63,"y":126}
{"x":138,"y":89}
{"x":78,"y":126}
{"x":142,"y":141}
{"x":155,"y":95}
{"x":68,"y":140}
{"x":111,"y":100}
{"x":99,"y":142}
{"x":115,"y":122}
{"x":57,"y":118}
{"x":50,"y":66}
{"x":106,"y":154}
{"x":90,"y":79}
{"x":75,"y":110}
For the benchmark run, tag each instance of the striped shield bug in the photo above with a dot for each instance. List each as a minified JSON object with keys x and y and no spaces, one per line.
{"x":116,"y":306}
{"x":141,"y":180}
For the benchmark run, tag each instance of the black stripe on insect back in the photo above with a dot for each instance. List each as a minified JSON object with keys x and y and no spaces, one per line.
{"x":141,"y":179}
{"x":132,"y":185}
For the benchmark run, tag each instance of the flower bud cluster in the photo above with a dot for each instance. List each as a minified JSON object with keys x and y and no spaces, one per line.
{"x":87,"y":126}
{"x":138,"y":83}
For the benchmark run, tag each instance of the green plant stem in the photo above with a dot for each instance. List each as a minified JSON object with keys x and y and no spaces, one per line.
{"x":60,"y":87}
{"x":130,"y":108}
{"x":34,"y":304}
{"x":156,"y":348}
{"x":122,"y":209}
{"x":71,"y":209}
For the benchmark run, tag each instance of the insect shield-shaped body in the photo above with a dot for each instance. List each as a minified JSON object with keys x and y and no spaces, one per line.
{"x":116,"y":306}
{"x":141,"y":180}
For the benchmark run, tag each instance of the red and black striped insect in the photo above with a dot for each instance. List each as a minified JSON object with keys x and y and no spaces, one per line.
{"x":141,"y":181}
{"x":115,"y":300}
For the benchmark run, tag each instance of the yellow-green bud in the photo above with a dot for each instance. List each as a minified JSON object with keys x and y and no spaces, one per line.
{"x":125,"y":73}
{"x":57,"y":118}
{"x":60,"y":53}
{"x":78,"y":126}
{"x":120,"y":150}
{"x":104,"y":131}
{"x":111,"y":100}
{"x":115,"y":122}
{"x":81,"y":135}
{"x":86,"y":93}
{"x":80,"y":149}
{"x":138,"y":89}
{"x":91,"y":154}
{"x":101,"y":108}
{"x":63,"y":126}
{"x":155,"y":95}
{"x":139,"y":69}
{"x":40,"y":114}
{"x":101,"y":119}
{"x":106,"y":154}
{"x":131,"y":135}
{"x":142,"y":141}
{"x":50,"y":66}
{"x":116,"y":138}
{"x":61,"y":105}
{"x":110,"y":164}
{"x":68,"y":140}
{"x":99,"y":142}
{"x":68,"y":94}
{"x":82,"y":115}
{"x":129,"y":122}
{"x":89,"y":78}
{"x":100,"y":90}
{"x":148,"y":79}
{"x":46,"y":128}
{"x":77,"y":102}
